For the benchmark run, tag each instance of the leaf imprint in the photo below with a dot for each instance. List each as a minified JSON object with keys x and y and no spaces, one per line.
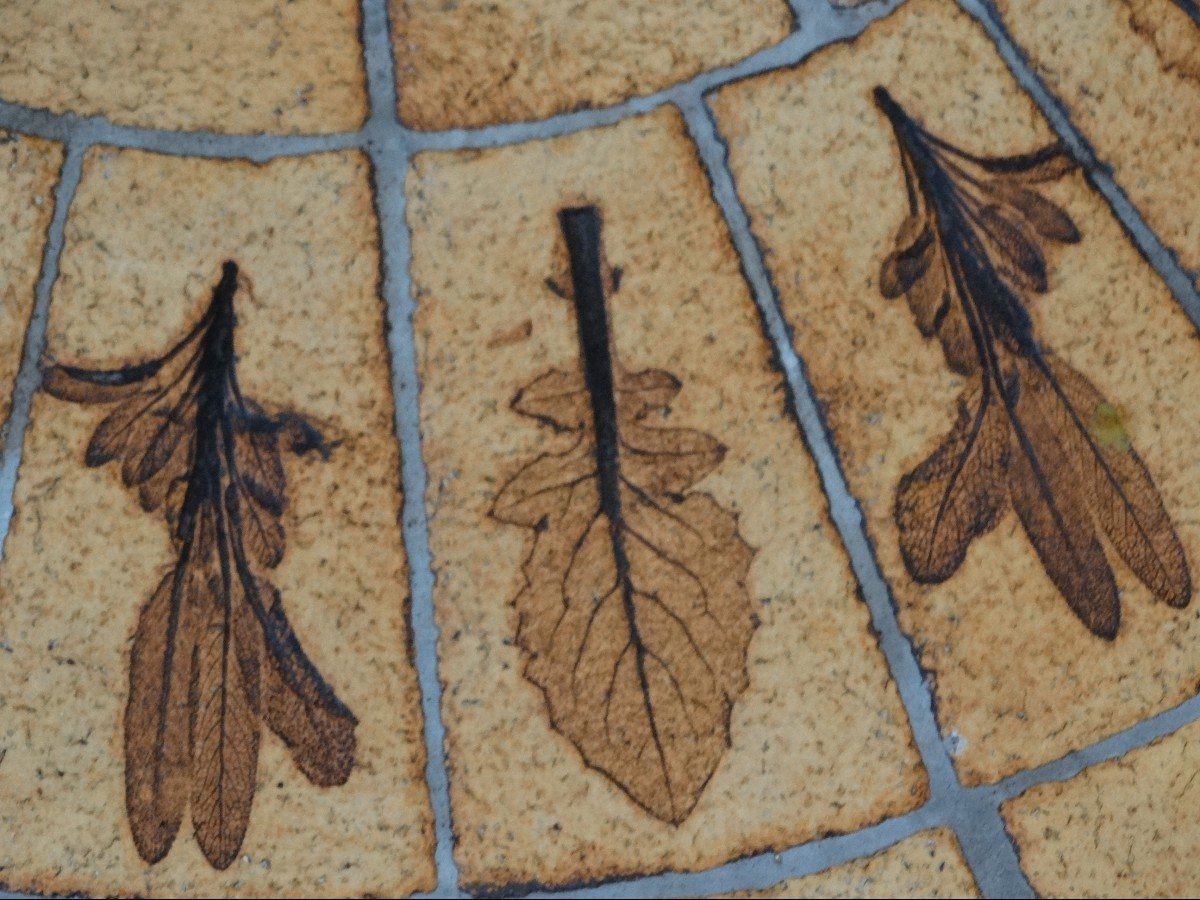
{"x":1031,"y":431}
{"x":213,"y":655}
{"x":635,"y":617}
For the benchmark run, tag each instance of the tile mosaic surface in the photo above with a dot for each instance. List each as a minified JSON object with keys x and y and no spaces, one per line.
{"x":477,"y":63}
{"x":1123,"y":828}
{"x":1129,"y":74}
{"x":817,"y":740}
{"x":302,"y":233}
{"x":268,"y":65}
{"x":928,"y":864}
{"x":1020,"y":678}
{"x":598,"y":448}
{"x":28,"y":173}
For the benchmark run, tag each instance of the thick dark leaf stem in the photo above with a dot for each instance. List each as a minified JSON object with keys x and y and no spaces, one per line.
{"x":581,"y":227}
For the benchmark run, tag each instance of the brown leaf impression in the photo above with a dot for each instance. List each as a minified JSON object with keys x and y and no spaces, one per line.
{"x":1031,"y":431}
{"x":635,"y":617}
{"x":213,"y":655}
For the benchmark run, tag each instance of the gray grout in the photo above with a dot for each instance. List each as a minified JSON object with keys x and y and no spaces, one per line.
{"x":994,"y":862}
{"x":764,"y":870}
{"x":971,"y":812}
{"x":98,"y":130}
{"x":1156,"y":253}
{"x":389,"y":160}
{"x":29,"y":375}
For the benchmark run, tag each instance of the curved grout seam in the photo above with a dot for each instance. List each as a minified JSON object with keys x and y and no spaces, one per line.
{"x":822,"y":18}
{"x":763,"y":870}
{"x":390,"y":145}
{"x":1157,"y":253}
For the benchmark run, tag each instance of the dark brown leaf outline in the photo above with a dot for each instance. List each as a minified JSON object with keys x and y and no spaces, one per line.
{"x":1031,"y":430}
{"x":635,"y":617}
{"x":213,"y":654}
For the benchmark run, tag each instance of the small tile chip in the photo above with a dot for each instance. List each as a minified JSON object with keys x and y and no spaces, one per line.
{"x":278,"y":66}
{"x":1129,"y":74}
{"x":818,"y":738}
{"x":29,"y":170}
{"x":1018,"y":679}
{"x":928,"y":864}
{"x":1123,"y":828}
{"x":145,"y":239}
{"x":482,"y":62}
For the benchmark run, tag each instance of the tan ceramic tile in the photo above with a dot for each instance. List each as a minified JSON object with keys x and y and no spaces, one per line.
{"x":818,"y":738}
{"x":28,"y":173}
{"x":145,"y":242}
{"x":1124,"y":828}
{"x":928,"y":864}
{"x":479,"y":62}
{"x":1018,"y":678}
{"x":248,"y":66}
{"x":1129,"y":73}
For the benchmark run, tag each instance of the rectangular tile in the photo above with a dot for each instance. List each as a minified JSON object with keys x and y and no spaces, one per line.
{"x":250,"y":66}
{"x":1131,"y":82}
{"x":1019,"y":678}
{"x":82,"y":622}
{"x":1124,"y":828}
{"x":927,"y":864}
{"x":816,"y":737}
{"x":481,"y":62}
{"x":29,"y":169}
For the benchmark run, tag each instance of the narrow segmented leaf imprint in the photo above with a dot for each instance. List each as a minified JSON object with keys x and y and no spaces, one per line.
{"x":635,"y":617}
{"x":213,"y":654}
{"x":1031,"y":431}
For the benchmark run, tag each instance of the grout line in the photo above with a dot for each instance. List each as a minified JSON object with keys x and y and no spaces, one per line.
{"x":98,"y":130}
{"x":993,"y":861}
{"x":971,"y":812}
{"x":29,"y":375}
{"x":823,"y":24}
{"x":1191,"y":7}
{"x":1136,"y":736}
{"x":389,"y":158}
{"x":1160,"y":257}
{"x":763,"y":870}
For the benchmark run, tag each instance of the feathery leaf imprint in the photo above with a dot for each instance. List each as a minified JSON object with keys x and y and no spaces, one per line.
{"x":1031,"y":431}
{"x":635,"y":617}
{"x":213,"y":654}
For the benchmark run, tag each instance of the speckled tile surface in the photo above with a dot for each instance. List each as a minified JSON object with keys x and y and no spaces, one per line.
{"x":1123,"y":828}
{"x":1129,"y":74}
{"x":1018,"y":679}
{"x":818,"y":739}
{"x":82,"y":558}
{"x":928,"y":864}
{"x":515,"y":478}
{"x":276,"y":66}
{"x":28,"y":172}
{"x":480,"y":62}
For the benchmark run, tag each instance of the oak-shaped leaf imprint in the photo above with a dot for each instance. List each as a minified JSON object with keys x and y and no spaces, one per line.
{"x":213,"y":654}
{"x":635,"y":617}
{"x":1031,"y":431}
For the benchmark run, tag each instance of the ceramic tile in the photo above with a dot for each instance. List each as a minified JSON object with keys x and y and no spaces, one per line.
{"x":1019,"y":676}
{"x":82,"y":622}
{"x":481,"y":62}
{"x":1124,"y":828}
{"x":28,"y":173}
{"x":928,"y":864}
{"x":817,"y":740}
{"x":1129,"y":74}
{"x":250,"y":66}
